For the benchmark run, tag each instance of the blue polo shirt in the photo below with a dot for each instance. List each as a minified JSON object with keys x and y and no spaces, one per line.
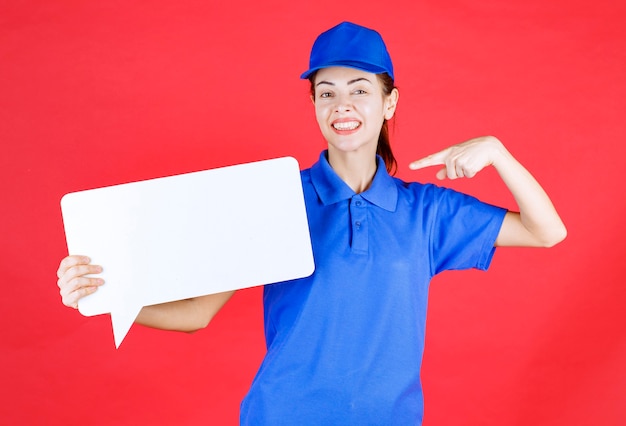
{"x":345,"y":345}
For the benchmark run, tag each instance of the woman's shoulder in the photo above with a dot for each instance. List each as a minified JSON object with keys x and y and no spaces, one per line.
{"x":428,"y":193}
{"x":409,"y":188}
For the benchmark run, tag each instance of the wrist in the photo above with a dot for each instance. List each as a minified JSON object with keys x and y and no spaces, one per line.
{"x":500,"y":156}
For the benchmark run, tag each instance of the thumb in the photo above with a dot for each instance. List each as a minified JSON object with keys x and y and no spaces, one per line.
{"x":442,"y":174}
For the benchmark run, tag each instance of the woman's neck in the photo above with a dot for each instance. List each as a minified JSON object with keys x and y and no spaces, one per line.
{"x":356,"y":169}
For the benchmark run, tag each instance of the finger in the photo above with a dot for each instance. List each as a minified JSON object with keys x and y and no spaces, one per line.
{"x":78,"y":283}
{"x":472,"y":169}
{"x":78,"y":271}
{"x":71,"y":299}
{"x":78,"y":288}
{"x":71,"y":261}
{"x":451,"y":168}
{"x":459,"y":171}
{"x":470,"y":173}
{"x":432,"y":160}
{"x":441,"y":174}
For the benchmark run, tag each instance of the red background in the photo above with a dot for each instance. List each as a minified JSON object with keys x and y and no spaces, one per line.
{"x":101,"y":93}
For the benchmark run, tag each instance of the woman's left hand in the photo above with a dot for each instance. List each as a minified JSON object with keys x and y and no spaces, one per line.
{"x":465,"y":159}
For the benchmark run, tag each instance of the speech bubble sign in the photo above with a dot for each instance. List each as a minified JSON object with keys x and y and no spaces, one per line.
{"x":189,"y":235}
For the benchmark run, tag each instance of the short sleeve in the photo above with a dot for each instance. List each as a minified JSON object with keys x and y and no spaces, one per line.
{"x":463,"y":232}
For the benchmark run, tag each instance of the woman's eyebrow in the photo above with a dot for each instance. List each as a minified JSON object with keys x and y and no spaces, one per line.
{"x":359,"y":79}
{"x":325,"y":82}
{"x":349,"y":82}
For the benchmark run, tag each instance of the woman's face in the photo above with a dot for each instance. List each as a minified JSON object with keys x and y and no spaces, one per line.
{"x":350,"y":108}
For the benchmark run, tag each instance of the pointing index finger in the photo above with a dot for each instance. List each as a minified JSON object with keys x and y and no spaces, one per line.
{"x":436,"y":159}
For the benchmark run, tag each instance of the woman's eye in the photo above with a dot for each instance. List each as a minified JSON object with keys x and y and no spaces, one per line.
{"x":360,"y":92}
{"x":325,"y":95}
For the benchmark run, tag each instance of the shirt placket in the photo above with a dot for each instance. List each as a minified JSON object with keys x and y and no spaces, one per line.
{"x":358,"y":215}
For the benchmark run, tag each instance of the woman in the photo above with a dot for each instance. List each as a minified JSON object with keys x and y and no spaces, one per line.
{"x":344,"y":346}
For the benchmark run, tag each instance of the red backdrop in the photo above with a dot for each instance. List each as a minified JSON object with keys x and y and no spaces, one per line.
{"x":100,"y":93}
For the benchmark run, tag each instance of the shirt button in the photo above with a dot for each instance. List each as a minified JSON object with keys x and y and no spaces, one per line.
{"x":358,"y":203}
{"x":357,"y":224}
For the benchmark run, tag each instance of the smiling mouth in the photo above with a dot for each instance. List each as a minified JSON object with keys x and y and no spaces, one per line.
{"x":347,"y":125}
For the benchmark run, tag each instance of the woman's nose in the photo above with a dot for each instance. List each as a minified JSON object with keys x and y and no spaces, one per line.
{"x":343,"y":104}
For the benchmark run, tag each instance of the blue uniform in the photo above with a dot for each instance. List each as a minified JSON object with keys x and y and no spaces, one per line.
{"x":345,"y":345}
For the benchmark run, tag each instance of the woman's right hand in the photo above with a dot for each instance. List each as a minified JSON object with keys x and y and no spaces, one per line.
{"x":73,"y":283}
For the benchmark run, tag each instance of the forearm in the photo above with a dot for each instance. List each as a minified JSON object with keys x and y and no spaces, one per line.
{"x":541,"y":223}
{"x":184,"y":315}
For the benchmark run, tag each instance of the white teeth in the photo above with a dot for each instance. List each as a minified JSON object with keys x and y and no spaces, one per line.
{"x":348,"y":125}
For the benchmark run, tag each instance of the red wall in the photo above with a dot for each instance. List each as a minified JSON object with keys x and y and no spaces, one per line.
{"x":100,"y":93}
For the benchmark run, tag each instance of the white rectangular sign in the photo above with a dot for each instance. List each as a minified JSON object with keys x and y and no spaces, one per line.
{"x":189,"y":235}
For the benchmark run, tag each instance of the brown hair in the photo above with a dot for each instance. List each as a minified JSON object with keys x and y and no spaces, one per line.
{"x":384,"y":146}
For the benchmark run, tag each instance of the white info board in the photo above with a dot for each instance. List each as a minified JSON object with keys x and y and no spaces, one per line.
{"x":189,"y":235}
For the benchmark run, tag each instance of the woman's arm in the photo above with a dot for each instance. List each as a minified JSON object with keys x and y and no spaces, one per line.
{"x":185,"y":315}
{"x":537,"y":224}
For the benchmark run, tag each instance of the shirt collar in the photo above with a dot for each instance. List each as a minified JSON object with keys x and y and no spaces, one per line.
{"x":331,"y":189}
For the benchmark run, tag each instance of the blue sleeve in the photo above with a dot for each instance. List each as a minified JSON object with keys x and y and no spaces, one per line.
{"x":463,"y":231}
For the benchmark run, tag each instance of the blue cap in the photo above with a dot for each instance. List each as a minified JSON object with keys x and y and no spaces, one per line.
{"x":350,"y":45}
